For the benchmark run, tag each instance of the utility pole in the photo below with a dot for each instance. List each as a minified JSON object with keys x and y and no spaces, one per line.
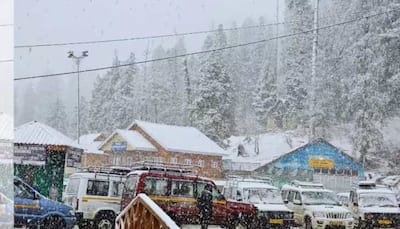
{"x":314,"y":69}
{"x":277,"y":41}
{"x":77,"y":60}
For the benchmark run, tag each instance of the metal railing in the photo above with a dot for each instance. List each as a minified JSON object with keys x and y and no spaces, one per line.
{"x":143,"y":213}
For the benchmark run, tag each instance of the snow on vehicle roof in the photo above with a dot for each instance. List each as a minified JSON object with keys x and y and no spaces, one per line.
{"x":134,"y":139}
{"x":6,"y":127}
{"x":345,"y":194}
{"x":376,"y":190}
{"x":37,"y":133}
{"x":250,"y":184}
{"x":306,"y":189}
{"x":180,"y":138}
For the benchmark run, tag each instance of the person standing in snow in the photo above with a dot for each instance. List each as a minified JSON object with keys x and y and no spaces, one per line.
{"x":53,"y":192}
{"x":204,"y":203}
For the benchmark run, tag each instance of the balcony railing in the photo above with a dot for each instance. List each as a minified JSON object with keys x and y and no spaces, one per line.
{"x":143,"y":213}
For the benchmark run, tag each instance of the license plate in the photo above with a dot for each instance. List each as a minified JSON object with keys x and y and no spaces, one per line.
{"x":385,"y":221}
{"x":276,"y":221}
{"x":336,"y":223}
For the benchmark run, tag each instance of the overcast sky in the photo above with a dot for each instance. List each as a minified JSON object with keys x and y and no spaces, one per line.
{"x":6,"y":53}
{"x":49,"y":21}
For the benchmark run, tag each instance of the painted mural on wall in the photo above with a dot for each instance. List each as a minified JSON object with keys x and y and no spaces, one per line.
{"x":316,"y":157}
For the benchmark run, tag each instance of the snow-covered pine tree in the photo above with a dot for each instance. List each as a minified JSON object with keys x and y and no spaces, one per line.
{"x":212,"y":110}
{"x":58,"y":117}
{"x":296,"y":56}
{"x":375,"y":71}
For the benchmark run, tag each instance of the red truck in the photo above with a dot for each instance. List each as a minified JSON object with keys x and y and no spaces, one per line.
{"x":176,"y":192}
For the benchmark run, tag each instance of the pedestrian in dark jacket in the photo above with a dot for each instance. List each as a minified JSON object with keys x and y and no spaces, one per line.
{"x":204,"y":203}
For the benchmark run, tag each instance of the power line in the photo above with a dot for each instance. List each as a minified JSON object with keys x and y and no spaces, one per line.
{"x":6,"y":61}
{"x":155,"y":36}
{"x":148,"y":37}
{"x":211,"y":50}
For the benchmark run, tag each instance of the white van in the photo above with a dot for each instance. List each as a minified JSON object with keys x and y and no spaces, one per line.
{"x":315,"y":206}
{"x":95,"y":195}
{"x":267,"y":199}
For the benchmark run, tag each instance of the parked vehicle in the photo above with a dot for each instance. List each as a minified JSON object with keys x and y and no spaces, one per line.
{"x":33,"y":209}
{"x":176,"y":191}
{"x":374,"y":206}
{"x":6,"y":212}
{"x":316,"y":207}
{"x":95,"y":195}
{"x":272,"y":212}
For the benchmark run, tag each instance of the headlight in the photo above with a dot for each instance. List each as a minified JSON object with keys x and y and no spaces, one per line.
{"x":319,"y":214}
{"x":368,"y":216}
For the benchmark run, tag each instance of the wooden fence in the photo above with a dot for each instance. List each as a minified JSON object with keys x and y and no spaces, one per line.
{"x":143,"y":213}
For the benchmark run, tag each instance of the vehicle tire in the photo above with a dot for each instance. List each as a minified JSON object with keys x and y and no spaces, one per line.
{"x":307,"y":223}
{"x":174,"y":218}
{"x":232,"y":223}
{"x":53,"y":222}
{"x":105,"y":220}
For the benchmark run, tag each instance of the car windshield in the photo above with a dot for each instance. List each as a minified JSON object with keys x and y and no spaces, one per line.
{"x":378,"y":199}
{"x":263,"y":196}
{"x":319,"y":198}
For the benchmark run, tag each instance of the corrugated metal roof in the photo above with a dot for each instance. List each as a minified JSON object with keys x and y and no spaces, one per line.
{"x":6,"y":127}
{"x":40,"y":134}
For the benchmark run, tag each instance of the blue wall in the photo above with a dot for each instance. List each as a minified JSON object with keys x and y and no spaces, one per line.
{"x":300,"y":158}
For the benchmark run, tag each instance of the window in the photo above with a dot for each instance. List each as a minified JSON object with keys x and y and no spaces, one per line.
{"x":97,"y":188}
{"x":117,"y":160}
{"x":216,"y":194}
{"x":129,"y":161}
{"x":188,"y":162}
{"x":22,"y":191}
{"x":117,"y":187}
{"x":200,"y":163}
{"x":130,"y":184}
{"x":182,"y":188}
{"x":214,"y":164}
{"x":297,"y":196}
{"x":291,"y":196}
{"x":174,"y":160}
{"x":73,"y":186}
{"x":156,"y":186}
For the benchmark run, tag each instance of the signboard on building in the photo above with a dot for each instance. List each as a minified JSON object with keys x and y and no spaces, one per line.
{"x":30,"y":154}
{"x":74,"y":158}
{"x":321,"y":163}
{"x":118,"y":147}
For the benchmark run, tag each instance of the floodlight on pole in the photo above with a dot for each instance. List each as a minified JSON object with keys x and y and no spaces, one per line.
{"x":77,"y":60}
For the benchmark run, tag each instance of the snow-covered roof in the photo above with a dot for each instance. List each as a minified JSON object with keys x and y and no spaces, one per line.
{"x":6,"y":127}
{"x":90,"y":144}
{"x":273,"y":145}
{"x":180,"y":138}
{"x":37,"y":133}
{"x":134,"y":139}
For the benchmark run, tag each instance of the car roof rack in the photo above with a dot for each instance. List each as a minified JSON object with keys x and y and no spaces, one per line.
{"x":164,"y":167}
{"x":366,"y":185}
{"x":304,"y":184}
{"x":111,"y":169}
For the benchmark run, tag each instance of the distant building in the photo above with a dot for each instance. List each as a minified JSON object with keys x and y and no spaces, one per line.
{"x":317,"y":161}
{"x":91,"y":155}
{"x":165,"y":143}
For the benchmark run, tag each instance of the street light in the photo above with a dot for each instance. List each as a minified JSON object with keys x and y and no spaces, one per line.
{"x":78,"y":62}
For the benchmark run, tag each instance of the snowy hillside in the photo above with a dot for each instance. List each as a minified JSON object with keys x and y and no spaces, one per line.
{"x":272,"y":145}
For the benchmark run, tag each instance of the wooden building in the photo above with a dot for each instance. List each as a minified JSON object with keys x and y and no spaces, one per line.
{"x":164,"y":143}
